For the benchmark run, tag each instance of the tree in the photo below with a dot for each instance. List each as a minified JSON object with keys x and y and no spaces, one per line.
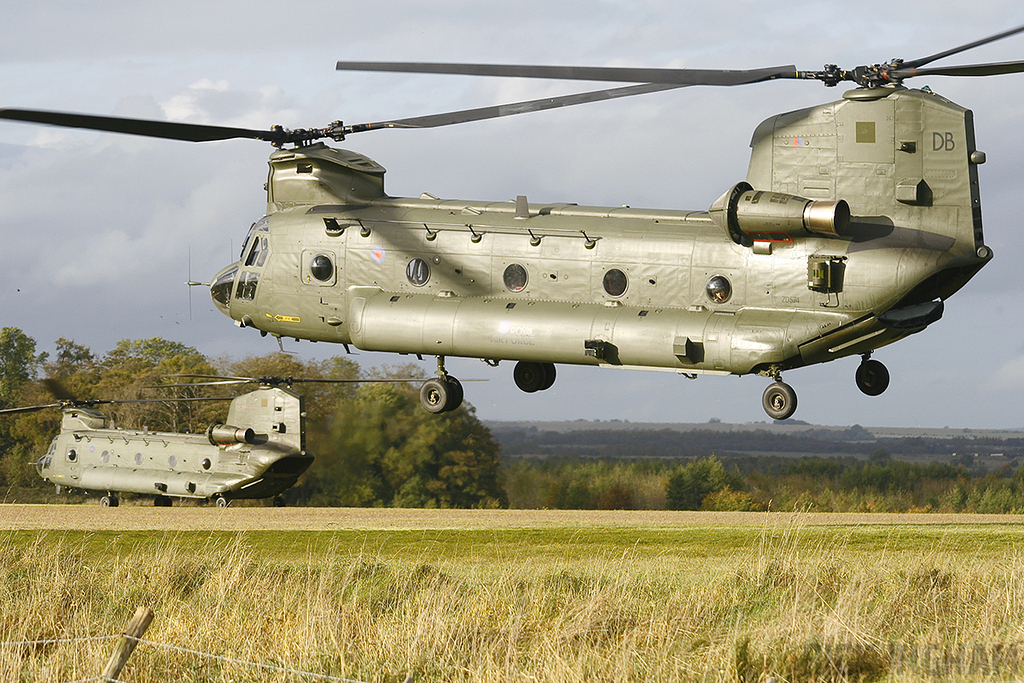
{"x":18,"y":364}
{"x":320,"y":400}
{"x":18,"y":367}
{"x":382,"y":448}
{"x":690,"y":484}
{"x":132,"y":370}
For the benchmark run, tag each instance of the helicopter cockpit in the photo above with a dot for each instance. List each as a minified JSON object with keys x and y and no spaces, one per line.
{"x":44,"y":462}
{"x":246,"y":270}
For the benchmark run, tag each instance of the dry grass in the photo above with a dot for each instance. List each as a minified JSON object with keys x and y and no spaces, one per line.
{"x":555,"y":599}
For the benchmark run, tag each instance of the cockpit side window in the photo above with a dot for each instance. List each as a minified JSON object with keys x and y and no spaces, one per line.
{"x":262,"y":258}
{"x":255,"y":243}
{"x":256,"y":251}
{"x":246,"y":290}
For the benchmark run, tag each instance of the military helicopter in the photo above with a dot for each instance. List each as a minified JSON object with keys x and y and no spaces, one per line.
{"x":856,"y":221}
{"x":258,"y":453}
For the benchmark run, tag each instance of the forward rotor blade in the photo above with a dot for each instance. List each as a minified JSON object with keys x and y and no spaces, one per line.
{"x":497,"y":111}
{"x":991,"y":69}
{"x":189,"y":132}
{"x":89,"y":402}
{"x":913,"y":64}
{"x":583,"y":73}
{"x":28,"y":409}
{"x":275,"y":381}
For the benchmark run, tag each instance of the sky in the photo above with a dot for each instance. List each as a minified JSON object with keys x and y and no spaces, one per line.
{"x":99,"y":232}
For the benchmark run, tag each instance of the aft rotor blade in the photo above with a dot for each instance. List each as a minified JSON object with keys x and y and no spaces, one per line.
{"x":991,"y":69}
{"x":584,"y":73}
{"x":913,"y":64}
{"x":189,"y":132}
{"x":497,"y":111}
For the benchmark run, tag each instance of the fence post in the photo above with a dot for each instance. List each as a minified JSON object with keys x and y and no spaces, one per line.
{"x":136,"y":627}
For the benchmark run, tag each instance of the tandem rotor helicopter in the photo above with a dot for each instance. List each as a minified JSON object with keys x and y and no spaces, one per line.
{"x":856,"y":221}
{"x":260,"y":451}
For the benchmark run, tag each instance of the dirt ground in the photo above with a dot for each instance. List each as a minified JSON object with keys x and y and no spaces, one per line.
{"x":144,"y":518}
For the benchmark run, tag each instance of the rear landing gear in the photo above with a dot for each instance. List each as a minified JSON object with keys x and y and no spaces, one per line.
{"x":443,"y":393}
{"x":531,"y":377}
{"x":162,"y":502}
{"x":872,"y":377}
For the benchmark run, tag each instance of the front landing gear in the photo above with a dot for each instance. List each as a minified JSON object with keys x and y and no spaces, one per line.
{"x":872,"y":377}
{"x":779,"y":401}
{"x":443,"y":393}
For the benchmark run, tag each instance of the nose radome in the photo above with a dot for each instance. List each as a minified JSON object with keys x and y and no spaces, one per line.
{"x":220,"y":290}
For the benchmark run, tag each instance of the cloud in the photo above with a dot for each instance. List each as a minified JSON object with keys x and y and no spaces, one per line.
{"x":1009,"y":376}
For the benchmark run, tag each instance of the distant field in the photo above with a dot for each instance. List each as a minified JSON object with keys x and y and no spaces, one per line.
{"x":788,"y":427}
{"x":374,"y":595}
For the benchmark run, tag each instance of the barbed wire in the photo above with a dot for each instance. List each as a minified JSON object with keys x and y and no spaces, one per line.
{"x":177,"y":648}
{"x":233,"y":660}
{"x":51,"y":641}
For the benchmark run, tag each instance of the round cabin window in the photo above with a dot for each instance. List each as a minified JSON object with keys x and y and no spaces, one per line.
{"x":615,"y":282}
{"x":321,"y":267}
{"x":515,"y":277}
{"x":718,"y":289}
{"x":418,"y":272}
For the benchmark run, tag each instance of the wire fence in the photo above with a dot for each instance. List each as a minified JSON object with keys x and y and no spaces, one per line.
{"x":184,"y":650}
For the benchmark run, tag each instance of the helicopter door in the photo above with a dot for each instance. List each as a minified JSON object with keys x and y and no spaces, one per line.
{"x":321,"y":269}
{"x":72,"y":459}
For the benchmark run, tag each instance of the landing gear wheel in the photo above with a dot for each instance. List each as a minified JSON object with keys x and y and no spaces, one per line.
{"x":279,"y":501}
{"x":549,"y":376}
{"x":220,"y":501}
{"x":109,"y":501}
{"x":162,"y":502}
{"x":457,"y":393}
{"x":872,"y":377}
{"x":779,"y":401}
{"x":441,"y":395}
{"x":434,"y":395}
{"x":530,"y":376}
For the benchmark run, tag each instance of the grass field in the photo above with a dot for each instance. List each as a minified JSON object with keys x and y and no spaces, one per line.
{"x":377,"y":595}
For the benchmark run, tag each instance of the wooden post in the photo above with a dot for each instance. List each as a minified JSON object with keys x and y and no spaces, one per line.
{"x":136,"y":627}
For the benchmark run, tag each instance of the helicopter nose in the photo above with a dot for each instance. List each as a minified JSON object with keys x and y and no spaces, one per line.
{"x":220,"y":290}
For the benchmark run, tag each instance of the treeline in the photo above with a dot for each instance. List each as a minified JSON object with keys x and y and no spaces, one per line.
{"x":374,"y":444}
{"x":879,"y":484}
{"x":669,"y":443}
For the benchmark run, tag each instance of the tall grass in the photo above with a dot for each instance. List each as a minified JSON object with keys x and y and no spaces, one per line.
{"x":791,"y":605}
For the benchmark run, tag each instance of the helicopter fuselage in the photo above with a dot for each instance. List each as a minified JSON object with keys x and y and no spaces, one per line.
{"x":856,"y":221}
{"x":259,"y":459}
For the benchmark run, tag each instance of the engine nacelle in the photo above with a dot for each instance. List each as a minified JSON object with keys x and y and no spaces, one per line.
{"x":221,"y":434}
{"x":747,"y":215}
